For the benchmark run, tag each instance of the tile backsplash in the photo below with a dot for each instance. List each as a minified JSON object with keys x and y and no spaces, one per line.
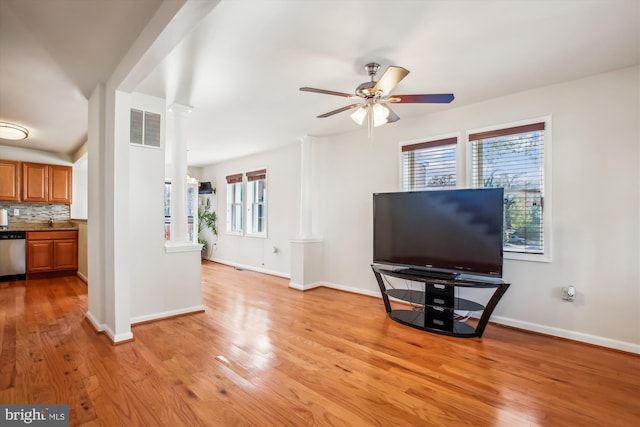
{"x":36,"y":212}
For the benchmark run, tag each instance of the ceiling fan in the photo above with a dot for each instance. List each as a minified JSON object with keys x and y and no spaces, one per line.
{"x":374,"y":97}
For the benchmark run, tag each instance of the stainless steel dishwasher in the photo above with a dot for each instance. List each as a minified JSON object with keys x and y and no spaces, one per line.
{"x":13,"y":261}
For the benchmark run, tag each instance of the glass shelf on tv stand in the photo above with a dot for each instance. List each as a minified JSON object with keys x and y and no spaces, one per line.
{"x":435,"y":307}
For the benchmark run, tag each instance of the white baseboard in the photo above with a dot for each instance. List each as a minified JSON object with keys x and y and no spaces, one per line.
{"x":82,"y":277}
{"x":166,"y":314}
{"x":251,"y":268}
{"x":104,"y":328}
{"x":565,"y":333}
{"x":352,"y":289}
{"x":116,"y":338}
{"x":300,"y":287}
{"x":99,"y":327}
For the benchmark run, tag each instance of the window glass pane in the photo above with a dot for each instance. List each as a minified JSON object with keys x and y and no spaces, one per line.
{"x":257,"y":211}
{"x":237,"y":217}
{"x":429,"y":168}
{"x":237,"y":198}
{"x":234,"y":207}
{"x":261,"y":190}
{"x":516,"y":163}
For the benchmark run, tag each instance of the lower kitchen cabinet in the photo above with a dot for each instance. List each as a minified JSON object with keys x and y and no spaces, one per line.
{"x":39,"y":255}
{"x":52,"y":251}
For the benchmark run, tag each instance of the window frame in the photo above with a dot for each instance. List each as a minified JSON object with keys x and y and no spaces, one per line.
{"x":432,"y":142}
{"x":253,"y":181}
{"x":546,"y":176}
{"x":237,"y":181}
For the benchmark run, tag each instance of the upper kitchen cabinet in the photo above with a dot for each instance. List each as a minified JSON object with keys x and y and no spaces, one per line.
{"x":60,"y":181}
{"x":34,"y":182}
{"x":46,"y":183}
{"x":9,"y":181}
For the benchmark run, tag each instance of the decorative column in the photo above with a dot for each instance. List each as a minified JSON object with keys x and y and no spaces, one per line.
{"x":179,"y":114}
{"x":305,"y":226}
{"x":306,"y":249}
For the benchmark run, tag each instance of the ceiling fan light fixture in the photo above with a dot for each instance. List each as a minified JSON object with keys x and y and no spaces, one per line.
{"x":380,"y":115}
{"x":13,"y":131}
{"x":359,"y":115}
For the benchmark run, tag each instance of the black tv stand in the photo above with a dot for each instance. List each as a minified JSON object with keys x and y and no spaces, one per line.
{"x":436,"y":305}
{"x":445,"y":275}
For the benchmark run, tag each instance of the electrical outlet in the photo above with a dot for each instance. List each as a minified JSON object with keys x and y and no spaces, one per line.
{"x":568,"y":293}
{"x":16,"y":212}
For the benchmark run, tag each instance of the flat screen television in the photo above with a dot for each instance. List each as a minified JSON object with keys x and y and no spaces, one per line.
{"x":447,"y":232}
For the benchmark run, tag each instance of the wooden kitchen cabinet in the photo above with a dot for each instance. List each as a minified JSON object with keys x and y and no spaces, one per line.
{"x":65,"y":254}
{"x":9,"y":181}
{"x":39,"y":256}
{"x":52,"y":251}
{"x":60,"y":181}
{"x":43,"y":183}
{"x":34,"y":182}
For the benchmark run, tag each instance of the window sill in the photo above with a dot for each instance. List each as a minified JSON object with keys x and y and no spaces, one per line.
{"x":175,"y":247}
{"x":527,"y":257}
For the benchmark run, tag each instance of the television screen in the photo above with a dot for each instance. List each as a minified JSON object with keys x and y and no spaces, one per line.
{"x":454,"y":231}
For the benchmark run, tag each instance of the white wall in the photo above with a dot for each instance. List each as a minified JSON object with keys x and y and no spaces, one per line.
{"x":283,"y":189}
{"x":80,"y":204}
{"x":35,"y":156}
{"x":596,"y":215}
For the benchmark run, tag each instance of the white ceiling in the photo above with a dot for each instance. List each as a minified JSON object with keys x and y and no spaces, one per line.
{"x":242,"y":66}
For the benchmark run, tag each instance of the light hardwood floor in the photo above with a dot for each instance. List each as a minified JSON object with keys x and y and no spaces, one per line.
{"x":266,"y":355}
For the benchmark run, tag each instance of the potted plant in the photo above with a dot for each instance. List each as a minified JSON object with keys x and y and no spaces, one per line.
{"x":206,"y":221}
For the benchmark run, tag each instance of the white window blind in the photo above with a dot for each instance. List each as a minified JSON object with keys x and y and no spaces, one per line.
{"x":513,"y":158}
{"x":429,"y":165}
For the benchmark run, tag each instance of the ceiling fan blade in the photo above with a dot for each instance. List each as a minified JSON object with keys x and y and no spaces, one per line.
{"x":339,"y":110}
{"x":326,"y":92}
{"x":440,"y":98}
{"x":392,"y":117}
{"x":390,"y":79}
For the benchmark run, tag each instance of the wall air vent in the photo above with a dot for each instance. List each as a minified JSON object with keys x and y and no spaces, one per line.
{"x":145,"y":128}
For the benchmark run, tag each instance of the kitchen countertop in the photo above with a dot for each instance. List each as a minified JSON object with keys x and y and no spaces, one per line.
{"x":42,"y":226}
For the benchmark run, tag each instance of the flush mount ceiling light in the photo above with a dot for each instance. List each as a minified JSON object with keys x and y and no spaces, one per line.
{"x":12,"y":131}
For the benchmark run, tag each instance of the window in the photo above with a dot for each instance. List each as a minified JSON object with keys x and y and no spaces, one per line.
{"x":234,"y":203}
{"x":257,"y":202}
{"x":513,"y":158}
{"x":429,"y":165}
{"x":192,"y":200}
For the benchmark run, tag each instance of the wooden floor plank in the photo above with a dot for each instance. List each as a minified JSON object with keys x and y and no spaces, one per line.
{"x":262,"y":354}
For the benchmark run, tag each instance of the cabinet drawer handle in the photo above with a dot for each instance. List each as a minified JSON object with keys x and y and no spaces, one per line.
{"x":438,"y":300}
